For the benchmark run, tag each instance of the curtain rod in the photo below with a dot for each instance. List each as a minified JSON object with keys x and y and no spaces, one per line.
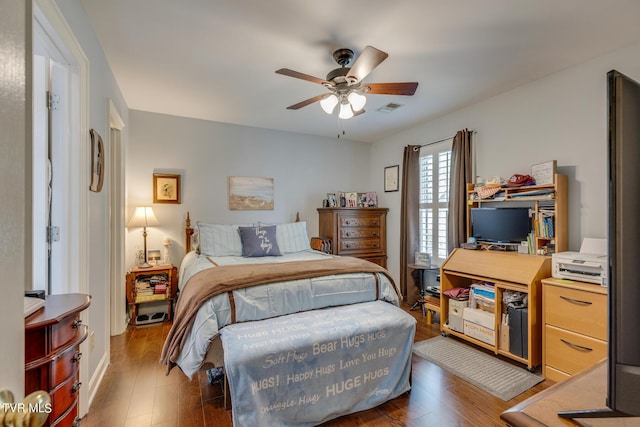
{"x":442,"y":140}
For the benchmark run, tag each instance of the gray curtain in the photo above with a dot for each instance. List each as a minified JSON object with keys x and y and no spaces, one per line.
{"x":409,"y":220}
{"x":460,"y":176}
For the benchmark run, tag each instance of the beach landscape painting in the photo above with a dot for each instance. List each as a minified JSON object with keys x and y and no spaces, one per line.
{"x":250,"y":193}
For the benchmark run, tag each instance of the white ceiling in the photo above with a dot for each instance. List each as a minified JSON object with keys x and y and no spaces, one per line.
{"x":215,"y":59}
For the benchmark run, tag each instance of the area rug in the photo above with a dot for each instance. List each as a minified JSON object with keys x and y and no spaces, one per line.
{"x":491,"y":374}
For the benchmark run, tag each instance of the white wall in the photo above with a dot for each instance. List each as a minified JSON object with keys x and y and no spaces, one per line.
{"x":205,"y":154}
{"x":562,"y":116}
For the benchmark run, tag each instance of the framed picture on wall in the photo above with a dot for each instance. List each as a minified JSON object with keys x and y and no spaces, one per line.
{"x":391,"y":174}
{"x":166,"y":188}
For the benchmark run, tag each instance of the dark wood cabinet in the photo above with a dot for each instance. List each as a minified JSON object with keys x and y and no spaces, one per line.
{"x":358,"y":232}
{"x":52,"y":354}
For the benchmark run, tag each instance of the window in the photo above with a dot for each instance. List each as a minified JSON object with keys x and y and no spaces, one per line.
{"x":435,"y":164}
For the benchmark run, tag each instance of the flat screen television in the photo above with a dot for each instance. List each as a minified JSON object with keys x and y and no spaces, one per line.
{"x":500,"y":225}
{"x":623,"y":370}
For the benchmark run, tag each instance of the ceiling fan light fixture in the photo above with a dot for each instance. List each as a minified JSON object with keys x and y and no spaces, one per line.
{"x":357,"y":101}
{"x":329,"y":103}
{"x":345,"y":111}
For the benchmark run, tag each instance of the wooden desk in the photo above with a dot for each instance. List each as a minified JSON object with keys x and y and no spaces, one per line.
{"x":586,"y":390}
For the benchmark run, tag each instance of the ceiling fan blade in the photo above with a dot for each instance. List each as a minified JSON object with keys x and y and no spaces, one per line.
{"x":406,"y":88}
{"x":298,"y":75}
{"x":308,"y":101}
{"x":369,"y":59}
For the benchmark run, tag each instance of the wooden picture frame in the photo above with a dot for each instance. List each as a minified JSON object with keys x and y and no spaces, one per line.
{"x":391,"y":178}
{"x":97,"y":162}
{"x":166,"y":188}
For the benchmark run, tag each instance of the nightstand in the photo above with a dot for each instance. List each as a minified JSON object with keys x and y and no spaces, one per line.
{"x":145,"y":285}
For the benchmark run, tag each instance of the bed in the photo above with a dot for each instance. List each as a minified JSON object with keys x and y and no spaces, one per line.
{"x":303,"y":336}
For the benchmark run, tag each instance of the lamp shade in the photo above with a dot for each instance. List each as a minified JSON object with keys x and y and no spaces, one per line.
{"x":329,"y":103}
{"x":357,"y":101}
{"x":345,"y":111}
{"x":143,"y":217}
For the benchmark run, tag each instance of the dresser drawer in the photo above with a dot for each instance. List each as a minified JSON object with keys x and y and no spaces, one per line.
{"x":65,"y":331}
{"x":63,"y":397}
{"x":576,"y":310}
{"x":554,"y":374}
{"x":570,"y":352}
{"x":369,"y":245}
{"x":351,"y":233}
{"x":69,"y":418}
{"x":360,"y":221}
{"x":64,"y":366}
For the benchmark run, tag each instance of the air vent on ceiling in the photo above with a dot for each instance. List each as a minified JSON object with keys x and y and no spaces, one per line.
{"x":388,"y":108}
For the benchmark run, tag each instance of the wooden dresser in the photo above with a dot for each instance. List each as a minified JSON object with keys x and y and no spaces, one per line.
{"x":52,"y":340}
{"x":575,"y":327}
{"x":358,"y":232}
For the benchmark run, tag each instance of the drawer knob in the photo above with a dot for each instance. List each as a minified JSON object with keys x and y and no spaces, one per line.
{"x":76,"y":357}
{"x":347,"y":222}
{"x":374,"y":233}
{"x":348,"y":245}
{"x":375,"y":222}
{"x":576,"y":346}
{"x":347,"y":234}
{"x":76,"y":323}
{"x":76,"y":387}
{"x":575,"y":301}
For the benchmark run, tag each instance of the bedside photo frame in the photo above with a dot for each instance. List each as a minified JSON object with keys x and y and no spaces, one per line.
{"x":166,"y":188}
{"x":391,"y":178}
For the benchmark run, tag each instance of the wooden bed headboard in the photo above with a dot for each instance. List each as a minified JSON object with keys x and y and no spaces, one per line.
{"x":188,"y":231}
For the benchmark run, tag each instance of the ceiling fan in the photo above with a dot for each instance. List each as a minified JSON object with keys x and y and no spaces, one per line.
{"x":345,"y":84}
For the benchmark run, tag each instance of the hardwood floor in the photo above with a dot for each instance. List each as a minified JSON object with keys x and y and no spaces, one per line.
{"x":136,"y":392}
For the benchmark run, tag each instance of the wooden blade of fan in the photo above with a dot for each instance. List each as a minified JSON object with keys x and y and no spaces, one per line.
{"x":406,"y":88}
{"x":369,"y":59}
{"x":298,"y":75}
{"x":308,"y":101}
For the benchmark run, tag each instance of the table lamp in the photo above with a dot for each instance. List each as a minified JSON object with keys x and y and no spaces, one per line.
{"x":143,"y":217}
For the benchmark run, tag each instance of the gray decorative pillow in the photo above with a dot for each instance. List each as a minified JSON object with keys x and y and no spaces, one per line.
{"x":259,"y":241}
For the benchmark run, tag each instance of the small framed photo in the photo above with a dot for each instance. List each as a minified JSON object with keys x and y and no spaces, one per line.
{"x":333,"y":202}
{"x":391,"y":174}
{"x":352,"y":199}
{"x":362,"y":200}
{"x":372,"y":199}
{"x":166,"y":188}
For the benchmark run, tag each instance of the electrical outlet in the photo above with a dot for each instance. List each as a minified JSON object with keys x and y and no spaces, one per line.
{"x":92,"y":340}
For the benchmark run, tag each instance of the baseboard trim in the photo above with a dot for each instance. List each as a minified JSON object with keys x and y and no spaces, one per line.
{"x":95,"y":381}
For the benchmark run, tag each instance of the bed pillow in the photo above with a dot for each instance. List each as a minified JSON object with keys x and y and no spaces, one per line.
{"x":293,"y":237}
{"x":259,"y":241}
{"x":219,"y":239}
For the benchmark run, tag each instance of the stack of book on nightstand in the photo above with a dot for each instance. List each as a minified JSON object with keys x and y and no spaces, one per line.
{"x":151,"y":287}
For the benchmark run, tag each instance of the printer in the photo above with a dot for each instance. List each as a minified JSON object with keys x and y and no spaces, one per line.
{"x":591,"y":264}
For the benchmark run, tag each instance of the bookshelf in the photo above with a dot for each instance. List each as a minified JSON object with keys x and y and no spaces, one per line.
{"x":146,"y":285}
{"x":550,"y":211}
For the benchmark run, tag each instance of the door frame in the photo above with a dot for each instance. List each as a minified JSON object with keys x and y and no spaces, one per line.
{"x":116,"y":221}
{"x":50,"y":19}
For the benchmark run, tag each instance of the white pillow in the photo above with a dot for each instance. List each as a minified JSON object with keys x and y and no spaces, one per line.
{"x":292,"y":237}
{"x":219,"y":239}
